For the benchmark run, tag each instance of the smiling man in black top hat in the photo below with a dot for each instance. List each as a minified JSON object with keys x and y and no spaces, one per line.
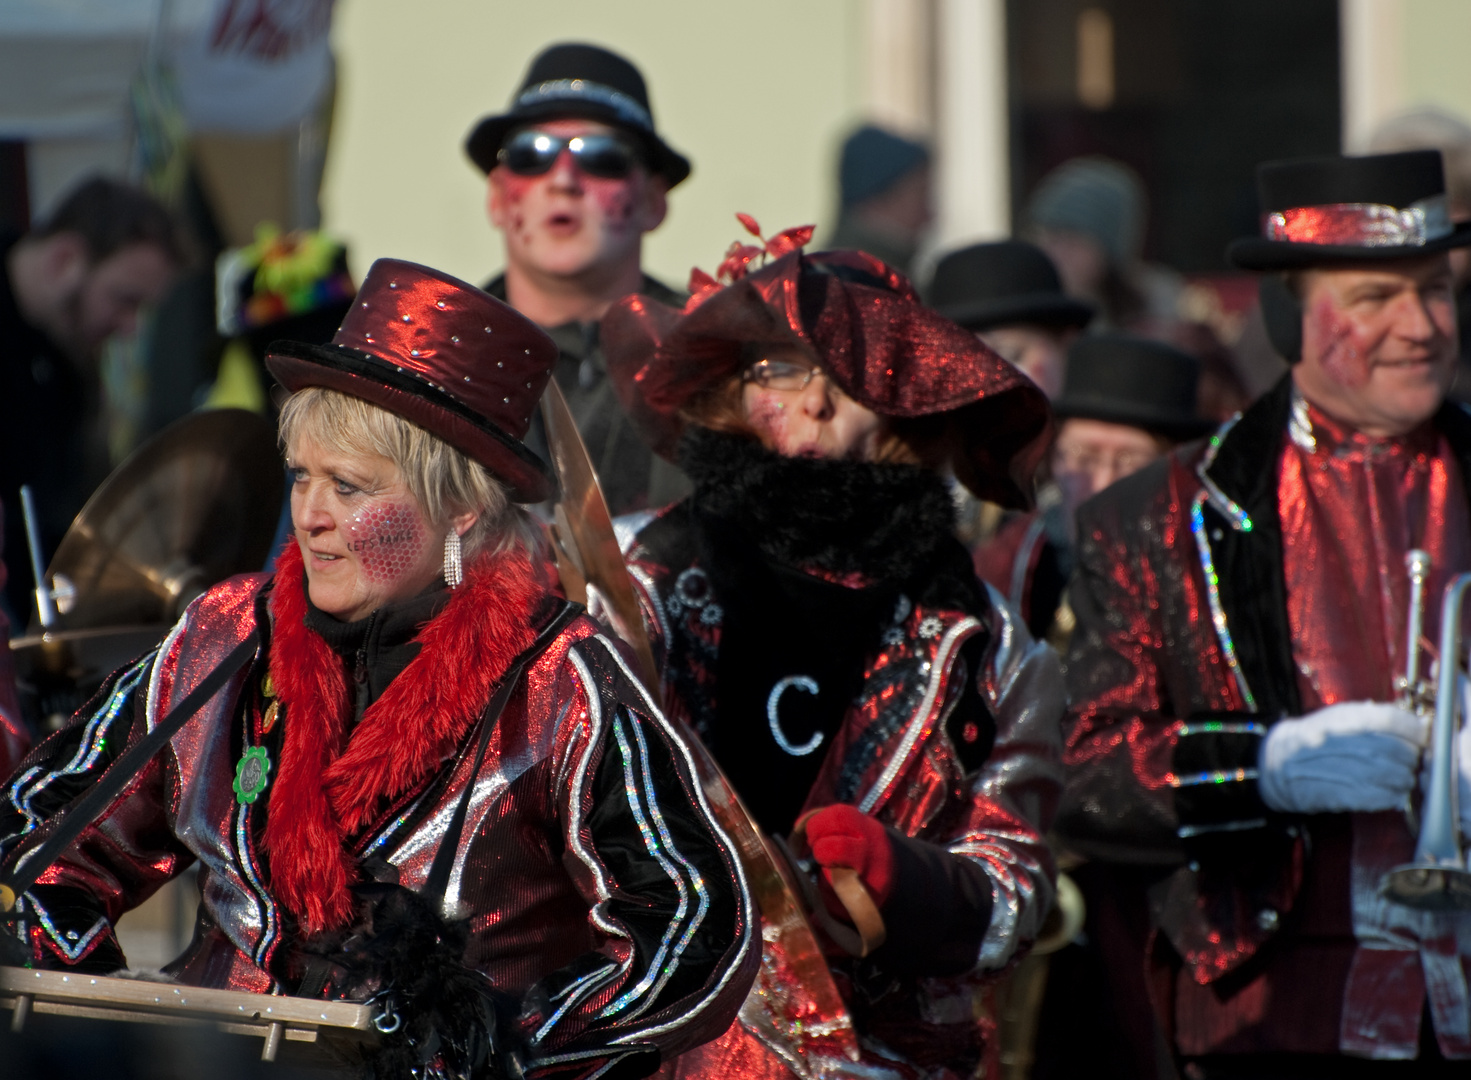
{"x":577,"y":174}
{"x":1237,"y":746}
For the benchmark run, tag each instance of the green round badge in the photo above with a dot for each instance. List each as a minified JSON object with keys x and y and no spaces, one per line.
{"x":252,"y":774}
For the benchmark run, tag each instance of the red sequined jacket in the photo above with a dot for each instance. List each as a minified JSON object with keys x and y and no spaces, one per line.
{"x":600,"y":891}
{"x":1181,"y":660}
{"x":901,"y":756}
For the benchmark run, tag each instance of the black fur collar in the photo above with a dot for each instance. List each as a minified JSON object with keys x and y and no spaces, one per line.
{"x":887,"y":523}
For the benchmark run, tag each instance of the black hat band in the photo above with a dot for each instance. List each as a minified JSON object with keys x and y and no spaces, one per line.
{"x":626,"y":109}
{"x":1369,"y":225}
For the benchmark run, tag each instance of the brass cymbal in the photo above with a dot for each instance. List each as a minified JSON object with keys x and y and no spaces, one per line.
{"x":195,"y":504}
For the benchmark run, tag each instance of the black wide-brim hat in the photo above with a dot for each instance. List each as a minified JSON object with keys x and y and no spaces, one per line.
{"x":1123,"y":379}
{"x":1003,"y":284}
{"x":444,"y":355}
{"x":1327,"y":210}
{"x":586,"y":82}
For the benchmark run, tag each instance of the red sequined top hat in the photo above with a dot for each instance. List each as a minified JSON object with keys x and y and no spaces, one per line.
{"x":442,"y":354}
{"x":870,"y":333}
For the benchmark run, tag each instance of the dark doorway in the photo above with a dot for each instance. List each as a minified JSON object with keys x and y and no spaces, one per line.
{"x":1191,"y":93}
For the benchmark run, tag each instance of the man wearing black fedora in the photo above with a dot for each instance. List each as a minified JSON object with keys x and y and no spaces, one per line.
{"x":577,"y":173}
{"x":1237,"y":736}
{"x":1127,"y":402}
{"x":1009,"y":293}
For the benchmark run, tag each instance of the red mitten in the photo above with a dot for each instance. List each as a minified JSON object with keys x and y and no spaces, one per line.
{"x":842,"y":835}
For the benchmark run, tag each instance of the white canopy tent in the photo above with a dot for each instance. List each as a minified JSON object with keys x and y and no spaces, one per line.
{"x":241,"y":68}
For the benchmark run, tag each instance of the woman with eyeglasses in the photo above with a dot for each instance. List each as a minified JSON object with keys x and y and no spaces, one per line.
{"x":817,"y":625}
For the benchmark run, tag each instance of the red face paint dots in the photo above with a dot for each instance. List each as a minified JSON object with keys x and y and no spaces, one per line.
{"x":388,"y":541}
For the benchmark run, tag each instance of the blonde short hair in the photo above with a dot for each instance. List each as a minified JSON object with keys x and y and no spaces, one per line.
{"x":442,"y":480}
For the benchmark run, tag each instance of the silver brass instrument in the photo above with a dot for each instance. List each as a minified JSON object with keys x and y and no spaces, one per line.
{"x":1438,"y":879}
{"x":1412,"y":693}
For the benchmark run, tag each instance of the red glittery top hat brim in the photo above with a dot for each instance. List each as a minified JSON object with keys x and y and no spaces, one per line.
{"x":869,"y":332}
{"x":297,"y":365}
{"x":444,"y":355}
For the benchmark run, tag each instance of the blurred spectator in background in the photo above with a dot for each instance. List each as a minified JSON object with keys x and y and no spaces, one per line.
{"x":294,"y":286}
{"x":1433,"y":129}
{"x":886,"y":198}
{"x":577,"y":174}
{"x":1090,"y":214}
{"x":1127,"y":401}
{"x":1008,"y":293}
{"x":1222,"y":391}
{"x":68,"y":286}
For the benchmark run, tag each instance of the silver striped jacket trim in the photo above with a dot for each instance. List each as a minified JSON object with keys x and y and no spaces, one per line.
{"x":71,"y":950}
{"x":924,"y":718}
{"x":1223,"y":727}
{"x":33,"y":781}
{"x":1213,"y":776}
{"x":749,"y":916}
{"x":1187,"y":831}
{"x":655,"y":832}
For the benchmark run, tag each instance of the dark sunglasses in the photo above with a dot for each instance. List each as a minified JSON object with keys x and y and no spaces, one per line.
{"x":533,"y":153}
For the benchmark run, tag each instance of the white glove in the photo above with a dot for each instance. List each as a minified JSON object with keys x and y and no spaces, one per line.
{"x":1357,"y":755}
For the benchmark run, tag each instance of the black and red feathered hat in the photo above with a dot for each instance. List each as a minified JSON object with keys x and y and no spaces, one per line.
{"x":444,"y":355}
{"x":870,"y":333}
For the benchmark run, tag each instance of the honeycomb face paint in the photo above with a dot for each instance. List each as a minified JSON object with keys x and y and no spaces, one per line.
{"x":388,"y":540}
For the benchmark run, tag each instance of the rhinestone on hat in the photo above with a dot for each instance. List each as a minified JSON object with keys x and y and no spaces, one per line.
{"x":439,"y":304}
{"x":455,"y":338}
{"x":407,"y":319}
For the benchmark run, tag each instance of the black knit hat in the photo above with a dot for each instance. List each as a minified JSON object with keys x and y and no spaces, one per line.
{"x":1122,"y":379}
{"x":584,"y":81}
{"x":1003,"y":284}
{"x":1326,"y":210}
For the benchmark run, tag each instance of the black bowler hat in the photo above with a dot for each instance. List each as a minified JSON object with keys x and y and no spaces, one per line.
{"x":1350,"y":209}
{"x":1001,"y":284}
{"x":583,"y":81}
{"x":1122,"y":379}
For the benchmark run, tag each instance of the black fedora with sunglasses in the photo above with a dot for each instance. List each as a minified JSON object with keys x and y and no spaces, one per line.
{"x":583,"y":82}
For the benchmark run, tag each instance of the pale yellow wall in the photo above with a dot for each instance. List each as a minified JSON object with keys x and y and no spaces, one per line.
{"x":1400,"y":55}
{"x":1437,"y":70}
{"x":757,"y":93}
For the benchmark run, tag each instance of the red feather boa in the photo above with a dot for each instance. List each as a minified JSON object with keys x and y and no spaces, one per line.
{"x":324,"y":792}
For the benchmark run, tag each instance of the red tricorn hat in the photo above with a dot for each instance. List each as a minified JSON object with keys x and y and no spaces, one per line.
{"x":872,"y":336}
{"x":441,"y":354}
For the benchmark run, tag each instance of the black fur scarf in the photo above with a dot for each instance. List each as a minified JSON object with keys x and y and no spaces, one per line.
{"x":892,"y":524}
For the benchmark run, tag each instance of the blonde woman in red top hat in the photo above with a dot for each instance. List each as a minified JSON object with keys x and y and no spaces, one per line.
{"x":821,"y":629}
{"x":433,"y":783}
